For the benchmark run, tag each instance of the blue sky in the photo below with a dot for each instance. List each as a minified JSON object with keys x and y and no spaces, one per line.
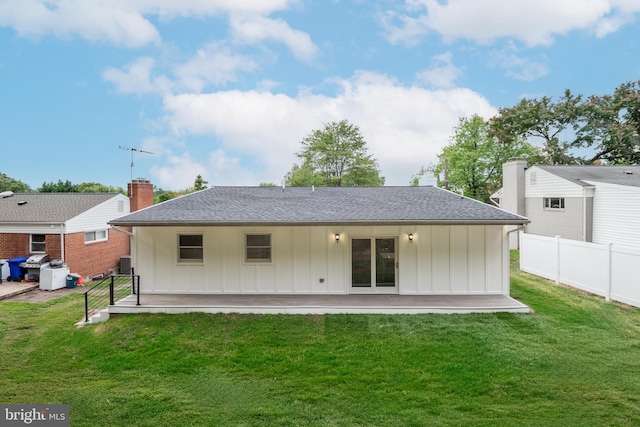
{"x":228,"y":88}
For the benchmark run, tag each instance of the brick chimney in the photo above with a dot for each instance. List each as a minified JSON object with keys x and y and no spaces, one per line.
{"x":140,"y":193}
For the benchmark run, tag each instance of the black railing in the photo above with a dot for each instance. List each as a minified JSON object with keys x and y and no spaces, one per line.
{"x":109,"y":290}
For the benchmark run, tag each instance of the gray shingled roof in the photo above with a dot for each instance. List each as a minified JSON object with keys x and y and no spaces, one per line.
{"x":324,"y":205}
{"x":615,"y":174}
{"x":48,"y":207}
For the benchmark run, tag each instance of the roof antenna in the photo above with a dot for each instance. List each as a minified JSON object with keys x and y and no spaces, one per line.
{"x":122,"y":147}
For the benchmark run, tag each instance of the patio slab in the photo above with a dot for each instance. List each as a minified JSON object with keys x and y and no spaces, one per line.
{"x":318,"y":304}
{"x":11,"y":289}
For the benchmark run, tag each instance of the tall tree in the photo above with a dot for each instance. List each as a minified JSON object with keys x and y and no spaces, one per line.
{"x":472,"y":162}
{"x":334,"y":156}
{"x":200,"y":183}
{"x":598,"y":129}
{"x":553,"y":122}
{"x":11,"y":184}
{"x":611,"y":126}
{"x":84,"y":187}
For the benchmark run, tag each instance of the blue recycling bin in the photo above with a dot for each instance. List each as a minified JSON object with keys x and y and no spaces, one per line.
{"x":16,"y":273}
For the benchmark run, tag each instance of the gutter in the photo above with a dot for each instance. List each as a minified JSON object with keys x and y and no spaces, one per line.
{"x":115,"y":228}
{"x":317,"y":223}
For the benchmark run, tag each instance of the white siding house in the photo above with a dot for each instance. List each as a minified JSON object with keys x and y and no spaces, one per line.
{"x":324,"y":241}
{"x":598,"y":204}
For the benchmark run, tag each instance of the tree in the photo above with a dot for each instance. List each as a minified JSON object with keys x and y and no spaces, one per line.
{"x":84,"y":187}
{"x":335,"y":156}
{"x":200,"y":184}
{"x":542,"y":118}
{"x":472,"y":162}
{"x":598,"y":129}
{"x":611,"y":126}
{"x":10,"y":184}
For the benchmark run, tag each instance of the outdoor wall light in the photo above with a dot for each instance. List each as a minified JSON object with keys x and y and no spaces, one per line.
{"x":410,"y":237}
{"x":337,"y":237}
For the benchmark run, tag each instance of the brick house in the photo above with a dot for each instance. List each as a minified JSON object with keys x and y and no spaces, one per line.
{"x":70,"y":226}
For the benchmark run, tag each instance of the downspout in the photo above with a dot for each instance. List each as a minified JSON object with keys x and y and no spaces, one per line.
{"x":584,"y":214}
{"x":62,"y":241}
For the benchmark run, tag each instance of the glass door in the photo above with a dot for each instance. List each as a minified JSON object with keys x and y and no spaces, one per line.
{"x":373,"y":265}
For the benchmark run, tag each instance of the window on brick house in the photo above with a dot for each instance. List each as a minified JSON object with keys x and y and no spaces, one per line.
{"x":37,"y":243}
{"x":95,"y":236}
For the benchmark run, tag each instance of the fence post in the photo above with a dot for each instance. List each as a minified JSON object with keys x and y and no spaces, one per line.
{"x":111,"y":291}
{"x":86,"y":307}
{"x":133,"y":282}
{"x":557,"y":260}
{"x":607,"y":291}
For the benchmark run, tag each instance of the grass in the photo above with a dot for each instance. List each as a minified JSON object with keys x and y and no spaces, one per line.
{"x":574,"y":362}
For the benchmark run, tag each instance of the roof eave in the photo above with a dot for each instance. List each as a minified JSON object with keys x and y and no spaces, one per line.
{"x":314,"y":223}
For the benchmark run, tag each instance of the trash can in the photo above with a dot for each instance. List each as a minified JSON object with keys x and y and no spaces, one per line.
{"x":72,"y":282}
{"x":16,"y":273}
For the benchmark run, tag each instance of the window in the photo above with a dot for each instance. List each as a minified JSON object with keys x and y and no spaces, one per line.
{"x":554,"y":202}
{"x":95,"y":236}
{"x":38,"y":243}
{"x":258,"y":248}
{"x":190,"y":248}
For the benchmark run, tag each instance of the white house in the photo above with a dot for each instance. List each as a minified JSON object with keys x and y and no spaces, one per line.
{"x":599,"y":204}
{"x":268,"y":241}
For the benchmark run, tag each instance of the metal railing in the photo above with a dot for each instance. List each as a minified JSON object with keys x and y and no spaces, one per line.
{"x":109,"y":290}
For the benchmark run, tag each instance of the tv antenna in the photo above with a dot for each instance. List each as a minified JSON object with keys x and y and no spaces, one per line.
{"x":122,"y":147}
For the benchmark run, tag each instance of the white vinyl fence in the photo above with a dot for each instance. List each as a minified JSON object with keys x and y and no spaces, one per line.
{"x":611,"y":271}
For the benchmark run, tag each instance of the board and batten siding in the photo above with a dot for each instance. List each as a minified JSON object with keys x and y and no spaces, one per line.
{"x":97,"y":217}
{"x":308,"y":260}
{"x":616,"y":214}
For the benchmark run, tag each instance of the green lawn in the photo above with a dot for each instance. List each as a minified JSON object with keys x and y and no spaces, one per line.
{"x":575,"y":361}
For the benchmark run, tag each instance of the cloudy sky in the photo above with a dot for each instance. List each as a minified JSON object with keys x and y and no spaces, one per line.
{"x":228,"y":88}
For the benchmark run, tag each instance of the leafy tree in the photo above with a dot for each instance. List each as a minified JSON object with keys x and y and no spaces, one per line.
{"x":542,"y":118}
{"x":599,"y":129}
{"x":472,"y":162}
{"x":164,"y":196}
{"x":335,"y":156}
{"x":58,"y":187}
{"x":84,"y":187}
{"x":267,"y":184}
{"x":200,"y":184}
{"x":612,"y":126}
{"x":10,"y":184}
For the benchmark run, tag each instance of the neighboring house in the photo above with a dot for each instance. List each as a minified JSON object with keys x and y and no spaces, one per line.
{"x":69,"y":226}
{"x":328,"y":240}
{"x":599,"y":204}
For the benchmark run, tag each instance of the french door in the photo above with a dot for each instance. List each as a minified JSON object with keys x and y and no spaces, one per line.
{"x":373,"y":265}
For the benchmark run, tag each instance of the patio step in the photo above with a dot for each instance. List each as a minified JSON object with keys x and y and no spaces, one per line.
{"x":98,"y":317}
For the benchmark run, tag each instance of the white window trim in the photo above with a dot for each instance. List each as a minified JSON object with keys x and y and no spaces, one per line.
{"x":261,"y":261}
{"x":39,"y":243}
{"x":96,"y":239}
{"x":550,"y":208}
{"x":187,"y":261}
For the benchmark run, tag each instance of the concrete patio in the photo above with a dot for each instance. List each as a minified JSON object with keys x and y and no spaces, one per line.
{"x":318,"y":304}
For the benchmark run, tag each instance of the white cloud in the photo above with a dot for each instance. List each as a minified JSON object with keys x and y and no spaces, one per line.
{"x":178,"y":172}
{"x":120,"y":22}
{"x":251,"y":29}
{"x":404,"y":126}
{"x":443,"y":74}
{"x":517,"y":66}
{"x":137,"y":78}
{"x":532,"y":22}
{"x":213,"y":64}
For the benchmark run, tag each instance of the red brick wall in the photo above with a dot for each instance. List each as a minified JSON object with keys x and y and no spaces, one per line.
{"x":88,"y":260}
{"x":13,"y":245}
{"x":95,"y":258}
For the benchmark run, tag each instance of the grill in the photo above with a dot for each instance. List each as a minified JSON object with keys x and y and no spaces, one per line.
{"x":33,"y":264}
